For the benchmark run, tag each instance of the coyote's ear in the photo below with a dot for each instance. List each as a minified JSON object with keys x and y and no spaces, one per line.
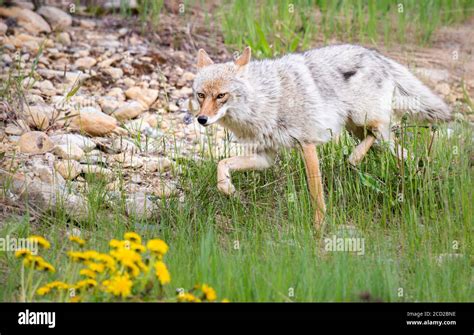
{"x":203,"y":59}
{"x":244,"y":58}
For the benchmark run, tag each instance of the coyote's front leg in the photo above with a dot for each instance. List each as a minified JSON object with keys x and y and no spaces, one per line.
{"x":315,"y":183}
{"x":257,"y":161}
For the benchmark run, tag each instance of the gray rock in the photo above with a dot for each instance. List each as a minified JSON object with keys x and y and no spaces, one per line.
{"x":12,"y":129}
{"x":64,"y":38}
{"x":68,"y":169}
{"x":154,"y":164}
{"x":126,"y":160}
{"x":122,"y":144}
{"x":38,"y":116}
{"x":95,"y":123}
{"x":145,"y":96}
{"x":27,"y":19}
{"x":70,"y":77}
{"x":140,"y":205}
{"x":109,"y":104}
{"x":47,"y":174}
{"x":35,"y":142}
{"x":115,"y":73}
{"x":96,"y":170}
{"x":56,"y":18}
{"x":137,"y":126}
{"x":129,"y":110}
{"x":47,"y":88}
{"x":81,"y":141}
{"x":43,"y":196}
{"x":68,"y":151}
{"x":85,"y":62}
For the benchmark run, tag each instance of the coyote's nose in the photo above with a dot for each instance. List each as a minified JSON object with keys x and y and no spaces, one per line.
{"x":202,"y":119}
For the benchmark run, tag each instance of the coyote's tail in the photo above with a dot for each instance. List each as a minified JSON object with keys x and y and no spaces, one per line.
{"x":412,"y":96}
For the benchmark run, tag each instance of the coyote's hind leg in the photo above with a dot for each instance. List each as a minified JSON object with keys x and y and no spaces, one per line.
{"x":315,"y":183}
{"x":361,"y":150}
{"x":383,"y":133}
{"x":365,"y":136}
{"x":257,"y":161}
{"x":380,"y":132}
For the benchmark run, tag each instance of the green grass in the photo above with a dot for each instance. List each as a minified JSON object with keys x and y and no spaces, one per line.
{"x":262,"y":246}
{"x":274,"y":27}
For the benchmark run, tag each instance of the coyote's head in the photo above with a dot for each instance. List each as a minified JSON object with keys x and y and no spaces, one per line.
{"x":218,"y":87}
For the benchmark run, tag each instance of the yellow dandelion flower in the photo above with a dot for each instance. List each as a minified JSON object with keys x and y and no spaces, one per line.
{"x":86,"y":283}
{"x":91,"y":254}
{"x":119,"y":285}
{"x":77,"y":240}
{"x":209,"y":292}
{"x":43,"y":290}
{"x":38,"y":263}
{"x":58,"y":285}
{"x":116,"y":244}
{"x":131,"y":268}
{"x":123,"y":255}
{"x":162,"y":273}
{"x":88,"y":273}
{"x":225,"y":300}
{"x":96,"y":267}
{"x":50,"y":286}
{"x":40,"y":240}
{"x":45,"y":266}
{"x":107,"y":260}
{"x":32,"y":260}
{"x":77,"y":256}
{"x":22,"y":253}
{"x":133,"y":237}
{"x":157,"y":247}
{"x":187,"y":297}
{"x":137,"y":247}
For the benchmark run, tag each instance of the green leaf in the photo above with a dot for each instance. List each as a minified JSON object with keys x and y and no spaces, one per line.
{"x":263,"y":41}
{"x":74,"y":89}
{"x":370,"y":182}
{"x":294,"y":44}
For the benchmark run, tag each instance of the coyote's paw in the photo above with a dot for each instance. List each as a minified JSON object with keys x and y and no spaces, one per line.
{"x":226,"y":187}
{"x":403,"y":154}
{"x":353,"y":159}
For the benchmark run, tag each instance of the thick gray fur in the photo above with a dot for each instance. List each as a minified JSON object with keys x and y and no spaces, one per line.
{"x":310,"y":97}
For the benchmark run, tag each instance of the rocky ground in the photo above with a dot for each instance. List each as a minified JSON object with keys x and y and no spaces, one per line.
{"x":93,"y":98}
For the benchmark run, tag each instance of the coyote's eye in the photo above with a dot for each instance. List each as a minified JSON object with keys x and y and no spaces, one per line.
{"x":221,"y":95}
{"x":201,"y":95}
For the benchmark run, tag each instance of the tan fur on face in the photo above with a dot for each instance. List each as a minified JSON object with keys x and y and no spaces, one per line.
{"x":210,"y":105}
{"x":213,"y":87}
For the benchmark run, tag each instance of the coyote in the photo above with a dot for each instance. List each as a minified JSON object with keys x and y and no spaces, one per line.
{"x":307,"y":99}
